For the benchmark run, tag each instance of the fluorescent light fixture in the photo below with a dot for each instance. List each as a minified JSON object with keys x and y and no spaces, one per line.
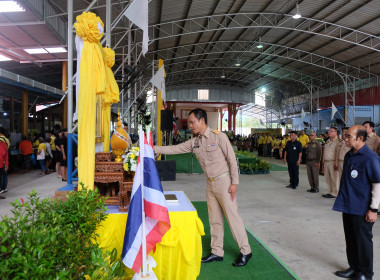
{"x":237,"y":64}
{"x":222,"y":76}
{"x":5,"y":114}
{"x":4,"y":58}
{"x":263,"y":89}
{"x":35,"y":51}
{"x":56,"y":50}
{"x":10,"y":6}
{"x":260,"y":46}
{"x":297,"y":15}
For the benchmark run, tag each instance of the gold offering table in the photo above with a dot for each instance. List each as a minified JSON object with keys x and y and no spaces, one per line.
{"x":109,"y":173}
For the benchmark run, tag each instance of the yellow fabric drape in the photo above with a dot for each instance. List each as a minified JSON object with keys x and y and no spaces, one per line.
{"x":111,"y":96}
{"x":179,"y":254}
{"x":92,"y":81}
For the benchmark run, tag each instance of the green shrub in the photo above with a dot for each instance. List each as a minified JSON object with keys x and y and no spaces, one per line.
{"x":51,"y":239}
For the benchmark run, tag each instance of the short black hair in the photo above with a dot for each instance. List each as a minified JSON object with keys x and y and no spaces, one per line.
{"x":345,"y":128}
{"x":371,"y":124}
{"x":199,"y":114}
{"x":2,"y":130}
{"x":334,"y":127}
{"x":361,"y":132}
{"x":293,"y":132}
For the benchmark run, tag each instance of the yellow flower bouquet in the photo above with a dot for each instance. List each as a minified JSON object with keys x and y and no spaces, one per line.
{"x":130,"y":159}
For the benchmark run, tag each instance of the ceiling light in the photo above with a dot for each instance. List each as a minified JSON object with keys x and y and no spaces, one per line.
{"x":10,"y":6}
{"x":297,"y":15}
{"x":4,"y":58}
{"x":237,"y":64}
{"x":263,"y":89}
{"x":260,"y":46}
{"x":222,"y":76}
{"x":5,"y":114}
{"x":56,"y":50}
{"x":35,"y":51}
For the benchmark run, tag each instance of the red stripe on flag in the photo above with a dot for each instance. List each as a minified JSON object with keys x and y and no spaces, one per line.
{"x":156,"y":211}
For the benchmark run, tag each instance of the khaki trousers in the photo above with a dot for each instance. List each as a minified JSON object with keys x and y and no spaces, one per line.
{"x":219,"y":203}
{"x":331,"y":176}
{"x":313,"y":174}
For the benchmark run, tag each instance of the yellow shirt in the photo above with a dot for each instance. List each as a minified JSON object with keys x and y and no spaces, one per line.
{"x":52,"y":143}
{"x":42,"y":146}
{"x":260,"y":141}
{"x":36,"y":144}
{"x":265,"y":140}
{"x":304,"y":139}
{"x":269,"y":140}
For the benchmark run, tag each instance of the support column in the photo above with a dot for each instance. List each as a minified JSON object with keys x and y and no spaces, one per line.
{"x":229,"y":117}
{"x":24,"y":113}
{"x":12,"y":115}
{"x":221,"y":119}
{"x":234,"y":112}
{"x":64,"y":88}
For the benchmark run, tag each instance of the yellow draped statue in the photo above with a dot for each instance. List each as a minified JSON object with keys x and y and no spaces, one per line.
{"x":92,"y":81}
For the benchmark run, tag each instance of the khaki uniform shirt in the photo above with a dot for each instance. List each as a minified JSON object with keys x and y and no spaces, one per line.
{"x":313,"y":151}
{"x":372,"y":141}
{"x":214,"y":153}
{"x":342,"y":152}
{"x":332,"y":148}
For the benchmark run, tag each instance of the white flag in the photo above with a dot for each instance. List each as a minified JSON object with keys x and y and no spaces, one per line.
{"x":137,"y":12}
{"x":303,"y":114}
{"x":158,"y":80}
{"x":333,"y":110}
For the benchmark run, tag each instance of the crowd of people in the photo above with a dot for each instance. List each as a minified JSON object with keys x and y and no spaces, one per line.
{"x":45,"y":152}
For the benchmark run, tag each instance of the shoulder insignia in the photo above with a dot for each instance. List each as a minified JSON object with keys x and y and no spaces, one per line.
{"x":216,"y":131}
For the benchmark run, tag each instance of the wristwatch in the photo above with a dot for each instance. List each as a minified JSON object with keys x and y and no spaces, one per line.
{"x":373,"y":210}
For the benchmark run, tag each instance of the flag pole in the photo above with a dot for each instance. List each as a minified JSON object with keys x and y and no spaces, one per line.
{"x":141,"y":142}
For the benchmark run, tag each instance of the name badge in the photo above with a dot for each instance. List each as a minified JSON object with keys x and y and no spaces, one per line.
{"x":354,"y":174}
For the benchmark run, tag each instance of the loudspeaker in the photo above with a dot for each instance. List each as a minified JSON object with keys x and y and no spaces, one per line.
{"x":166,"y":170}
{"x":166,"y":120}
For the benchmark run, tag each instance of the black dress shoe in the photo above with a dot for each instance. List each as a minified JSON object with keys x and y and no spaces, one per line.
{"x":313,"y":191}
{"x":360,"y":276}
{"x":242,"y":260}
{"x":289,"y":186}
{"x":348,"y":273}
{"x":294,"y":187}
{"x":211,"y":258}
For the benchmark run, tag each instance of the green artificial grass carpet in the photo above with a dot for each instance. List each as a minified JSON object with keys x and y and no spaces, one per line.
{"x":263,"y":265}
{"x":275,"y":167}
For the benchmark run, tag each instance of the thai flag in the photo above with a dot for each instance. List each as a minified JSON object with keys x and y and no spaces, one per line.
{"x":174,"y":125}
{"x":157,"y":221}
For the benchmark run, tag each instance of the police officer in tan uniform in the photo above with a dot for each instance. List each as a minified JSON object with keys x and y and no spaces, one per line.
{"x":330,"y":160}
{"x":313,"y":151}
{"x":342,"y":152}
{"x":372,"y":139}
{"x":217,"y":159}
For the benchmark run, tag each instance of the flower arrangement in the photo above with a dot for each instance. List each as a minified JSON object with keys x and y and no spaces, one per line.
{"x":130,"y":159}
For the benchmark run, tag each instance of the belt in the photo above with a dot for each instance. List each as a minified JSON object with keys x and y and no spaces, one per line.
{"x":341,"y":160}
{"x":311,"y":159}
{"x":218,"y":177}
{"x":329,"y":160}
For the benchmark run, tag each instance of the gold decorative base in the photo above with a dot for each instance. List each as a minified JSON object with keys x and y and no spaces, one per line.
{"x":118,"y":154}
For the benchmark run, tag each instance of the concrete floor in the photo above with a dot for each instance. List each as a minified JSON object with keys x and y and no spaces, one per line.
{"x":299,"y":227}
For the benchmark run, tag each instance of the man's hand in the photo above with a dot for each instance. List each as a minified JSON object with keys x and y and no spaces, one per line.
{"x":284,"y":160}
{"x":370,"y":217}
{"x":316,"y":165}
{"x":6,"y":168}
{"x":335,"y":167}
{"x":298,"y":162}
{"x":232,"y":191}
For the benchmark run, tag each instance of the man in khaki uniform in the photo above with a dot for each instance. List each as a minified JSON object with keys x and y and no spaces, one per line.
{"x":342,"y":152}
{"x":217,"y":159}
{"x":372,"y":139}
{"x":313,"y":151}
{"x":330,"y":160}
